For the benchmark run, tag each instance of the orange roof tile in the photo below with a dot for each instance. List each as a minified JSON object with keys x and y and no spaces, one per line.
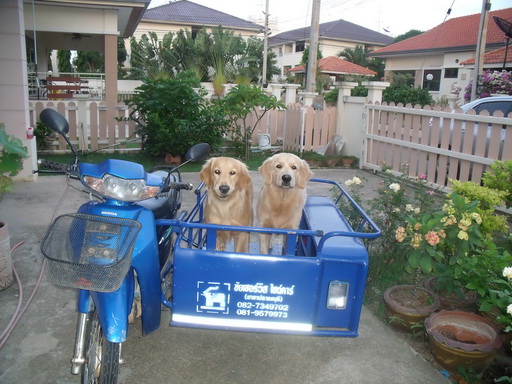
{"x":494,"y":57}
{"x":336,"y":66}
{"x":460,"y":33}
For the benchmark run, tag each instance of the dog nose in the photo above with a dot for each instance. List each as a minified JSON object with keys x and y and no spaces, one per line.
{"x":286,"y":178}
{"x":224,"y":189}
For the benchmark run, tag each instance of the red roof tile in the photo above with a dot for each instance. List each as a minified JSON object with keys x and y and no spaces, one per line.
{"x":336,"y":66}
{"x":494,"y":57}
{"x":454,"y":34}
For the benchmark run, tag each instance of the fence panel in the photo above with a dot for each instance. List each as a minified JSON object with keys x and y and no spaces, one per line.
{"x":441,"y":144}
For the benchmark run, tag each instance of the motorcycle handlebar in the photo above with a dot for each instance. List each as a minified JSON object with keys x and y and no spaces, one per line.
{"x":177,"y":186}
{"x":58,"y":168}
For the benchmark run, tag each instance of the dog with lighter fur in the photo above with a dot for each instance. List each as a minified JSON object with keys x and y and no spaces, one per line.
{"x":282,"y":195}
{"x":229,"y":199}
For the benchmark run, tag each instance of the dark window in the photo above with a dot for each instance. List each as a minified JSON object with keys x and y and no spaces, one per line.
{"x":195,"y":31}
{"x":451,"y":73}
{"x":434,"y":84}
{"x":300,"y":46}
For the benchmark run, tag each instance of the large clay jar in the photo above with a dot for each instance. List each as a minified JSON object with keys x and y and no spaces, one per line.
{"x":468,"y":303}
{"x":6,"y":273}
{"x":405,"y":311}
{"x":462,"y":339}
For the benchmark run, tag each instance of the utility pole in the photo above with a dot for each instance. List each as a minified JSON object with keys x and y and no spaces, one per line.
{"x":480,"y":47}
{"x":265,"y":48}
{"x":313,"y":47}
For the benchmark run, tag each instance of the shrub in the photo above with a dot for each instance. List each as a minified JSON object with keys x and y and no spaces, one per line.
{"x":176,"y":116}
{"x":500,"y":178}
{"x":407,"y":95}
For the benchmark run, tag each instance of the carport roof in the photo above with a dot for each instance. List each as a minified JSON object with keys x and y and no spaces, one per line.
{"x":336,"y":66}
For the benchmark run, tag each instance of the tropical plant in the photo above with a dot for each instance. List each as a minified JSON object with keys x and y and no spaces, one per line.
{"x":11,"y":153}
{"x":357,"y":55}
{"x":242,"y":101}
{"x":176,"y":116}
{"x":396,"y":93}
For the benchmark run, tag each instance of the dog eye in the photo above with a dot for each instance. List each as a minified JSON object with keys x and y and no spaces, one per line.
{"x":217,"y":172}
{"x":232,"y":173}
{"x":279,"y":166}
{"x":294,"y":167}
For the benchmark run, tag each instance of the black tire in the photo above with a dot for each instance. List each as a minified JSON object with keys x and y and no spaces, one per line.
{"x":101,"y":356}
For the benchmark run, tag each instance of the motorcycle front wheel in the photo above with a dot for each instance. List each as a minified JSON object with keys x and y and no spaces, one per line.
{"x":102,"y":357}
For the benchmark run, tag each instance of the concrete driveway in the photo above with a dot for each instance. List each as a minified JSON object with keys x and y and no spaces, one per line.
{"x":40,"y":347}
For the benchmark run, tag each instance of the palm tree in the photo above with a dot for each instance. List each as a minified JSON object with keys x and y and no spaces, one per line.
{"x":357,"y":55}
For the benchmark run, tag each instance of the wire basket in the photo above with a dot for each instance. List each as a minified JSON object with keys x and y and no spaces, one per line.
{"x":89,"y":252}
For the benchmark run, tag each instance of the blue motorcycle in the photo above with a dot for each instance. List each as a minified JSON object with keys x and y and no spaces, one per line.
{"x":111,"y":249}
{"x":313,"y":284}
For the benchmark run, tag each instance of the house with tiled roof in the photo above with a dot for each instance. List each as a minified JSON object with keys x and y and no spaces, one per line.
{"x":447,"y":52}
{"x":334,"y":37}
{"x":190,"y":16}
{"x":337,"y":68}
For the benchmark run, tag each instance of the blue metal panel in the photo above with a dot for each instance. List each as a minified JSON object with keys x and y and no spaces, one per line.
{"x":245,"y":292}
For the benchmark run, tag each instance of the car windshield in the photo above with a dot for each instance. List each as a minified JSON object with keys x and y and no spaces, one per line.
{"x":493,"y":106}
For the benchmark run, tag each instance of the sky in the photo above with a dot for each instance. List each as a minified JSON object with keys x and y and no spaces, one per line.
{"x":391,"y":17}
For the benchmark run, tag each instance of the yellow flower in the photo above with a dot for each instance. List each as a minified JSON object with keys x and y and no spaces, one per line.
{"x":463,"y":235}
{"x":416,"y":240}
{"x":400,"y":234}
{"x":417,"y":226}
{"x":507,"y":272}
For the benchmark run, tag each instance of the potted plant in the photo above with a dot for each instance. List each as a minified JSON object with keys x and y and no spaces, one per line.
{"x":496,"y":303}
{"x":462,"y":339}
{"x":11,"y":154}
{"x":347,"y":160}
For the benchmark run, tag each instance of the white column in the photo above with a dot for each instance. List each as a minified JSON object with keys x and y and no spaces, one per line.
{"x":14,"y":82}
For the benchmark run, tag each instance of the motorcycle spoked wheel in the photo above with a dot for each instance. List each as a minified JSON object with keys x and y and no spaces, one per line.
{"x":102,"y":357}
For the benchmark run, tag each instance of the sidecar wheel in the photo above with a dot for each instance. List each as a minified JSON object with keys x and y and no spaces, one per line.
{"x":101,"y":356}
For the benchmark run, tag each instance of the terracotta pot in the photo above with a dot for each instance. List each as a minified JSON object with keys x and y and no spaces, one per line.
{"x":462,"y":339}
{"x":170,"y":159}
{"x":347,"y":162}
{"x":6,"y":275}
{"x":468,"y":303}
{"x":404,"y":316}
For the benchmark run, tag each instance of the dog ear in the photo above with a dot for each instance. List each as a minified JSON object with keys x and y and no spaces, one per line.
{"x":266,"y":171}
{"x":245,"y":176}
{"x":205,"y":174}
{"x":304,"y":175}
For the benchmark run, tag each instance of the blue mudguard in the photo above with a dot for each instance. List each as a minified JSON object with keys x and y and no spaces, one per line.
{"x":114,"y":307}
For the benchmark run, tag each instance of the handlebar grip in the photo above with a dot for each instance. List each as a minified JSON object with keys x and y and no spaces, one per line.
{"x":177,"y":186}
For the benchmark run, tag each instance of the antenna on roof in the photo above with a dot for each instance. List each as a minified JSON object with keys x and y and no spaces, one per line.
{"x":506,"y":27}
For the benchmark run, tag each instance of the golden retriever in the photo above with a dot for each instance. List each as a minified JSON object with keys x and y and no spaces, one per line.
{"x":283,"y":193}
{"x":229,"y":200}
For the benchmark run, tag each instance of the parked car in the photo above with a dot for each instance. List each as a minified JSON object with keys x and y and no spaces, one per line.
{"x":490,"y":104}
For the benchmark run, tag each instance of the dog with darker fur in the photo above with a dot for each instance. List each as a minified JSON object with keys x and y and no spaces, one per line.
{"x":229,"y":200}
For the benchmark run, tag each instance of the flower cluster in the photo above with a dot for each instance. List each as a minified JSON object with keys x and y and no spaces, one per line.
{"x":435,"y":239}
{"x":494,"y":83}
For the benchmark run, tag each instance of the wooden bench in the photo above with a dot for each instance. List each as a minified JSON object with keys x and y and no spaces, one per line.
{"x":65,"y":87}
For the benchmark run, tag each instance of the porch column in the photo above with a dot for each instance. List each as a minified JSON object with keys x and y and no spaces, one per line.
{"x":375,"y":89}
{"x":345,"y":88}
{"x":291,"y":93}
{"x":307,"y":98}
{"x":276,"y":90}
{"x":14,"y":82}
{"x":111,"y":85}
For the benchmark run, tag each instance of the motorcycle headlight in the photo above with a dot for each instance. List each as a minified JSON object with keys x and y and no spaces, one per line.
{"x":121,"y":189}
